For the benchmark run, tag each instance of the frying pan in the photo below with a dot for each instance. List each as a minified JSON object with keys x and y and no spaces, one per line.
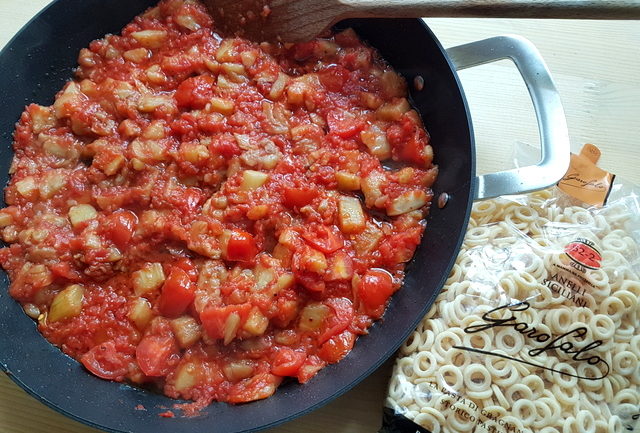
{"x":36,"y":63}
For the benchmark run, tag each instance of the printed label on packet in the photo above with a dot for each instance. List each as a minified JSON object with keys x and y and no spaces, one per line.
{"x":584,"y":180}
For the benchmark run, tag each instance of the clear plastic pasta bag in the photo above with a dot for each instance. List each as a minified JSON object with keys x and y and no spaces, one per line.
{"x":537,"y":327}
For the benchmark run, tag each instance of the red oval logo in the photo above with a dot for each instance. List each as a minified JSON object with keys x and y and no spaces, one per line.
{"x":583,"y":254}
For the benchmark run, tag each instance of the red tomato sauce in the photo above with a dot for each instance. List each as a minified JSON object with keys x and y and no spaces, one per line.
{"x":212,"y":215}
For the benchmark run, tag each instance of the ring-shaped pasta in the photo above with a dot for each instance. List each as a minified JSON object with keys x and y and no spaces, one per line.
{"x":404,"y":367}
{"x":581,"y":315}
{"x":585,"y":422}
{"x":447,"y":372}
{"x":566,"y":396}
{"x":568,"y":380}
{"x":425,"y":364}
{"x":582,"y":217}
{"x":477,"y":378}
{"x":525,"y":213}
{"x":477,"y":236}
{"x":509,"y":341}
{"x":498,"y":367}
{"x":428,"y":337}
{"x":400,"y":390}
{"x":423,"y":395}
{"x":478,"y":340}
{"x":626,"y":396}
{"x":552,"y":403}
{"x":458,"y":358}
{"x":535,"y":384}
{"x":549,"y":430}
{"x":430,"y":419}
{"x":625,"y":362}
{"x":518,"y":391}
{"x":517,"y":223}
{"x":412,"y":343}
{"x":629,"y":301}
{"x":462,"y":419}
{"x":631,"y":286}
{"x":569,"y":425}
{"x":484,"y":208}
{"x":601,"y":224}
{"x":455,"y":275}
{"x":591,"y":371}
{"x":445,"y":341}
{"x":602,"y":326}
{"x":615,"y":243}
{"x":559,"y":320}
{"x":499,"y":396}
{"x":516,"y":424}
{"x":543,"y":414}
{"x":525,"y":410}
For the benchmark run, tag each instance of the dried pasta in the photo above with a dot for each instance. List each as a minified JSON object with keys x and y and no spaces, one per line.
{"x":536,"y":329}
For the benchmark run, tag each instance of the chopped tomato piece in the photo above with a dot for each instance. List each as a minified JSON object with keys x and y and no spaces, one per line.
{"x":240,"y":246}
{"x":299,"y":197}
{"x":157,"y":355}
{"x":334,"y":77}
{"x":344,"y":126}
{"x":324,"y":238}
{"x":311,"y":366}
{"x":64,"y":270}
{"x":105,"y":361}
{"x":337,"y":347}
{"x":120,"y":227}
{"x":214,"y":319}
{"x":177,"y":293}
{"x":287,"y":362}
{"x":375,"y":288}
{"x":338,"y":321}
{"x":187,"y":265}
{"x":195,"y":92}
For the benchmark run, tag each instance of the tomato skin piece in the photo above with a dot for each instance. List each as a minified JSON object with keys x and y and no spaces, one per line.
{"x":120,"y":227}
{"x":177,"y":293}
{"x":375,"y":288}
{"x":323,"y":238}
{"x":337,"y":347}
{"x":288,"y":362}
{"x":339,"y":321}
{"x":195,"y":92}
{"x":156,"y":355}
{"x":299,"y":197}
{"x":187,"y":265}
{"x":241,"y":246}
{"x":106,"y":362}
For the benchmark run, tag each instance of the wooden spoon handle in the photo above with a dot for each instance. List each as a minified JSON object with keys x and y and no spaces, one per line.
{"x":583,"y":9}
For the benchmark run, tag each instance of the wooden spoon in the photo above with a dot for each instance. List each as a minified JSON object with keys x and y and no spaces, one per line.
{"x":301,"y":20}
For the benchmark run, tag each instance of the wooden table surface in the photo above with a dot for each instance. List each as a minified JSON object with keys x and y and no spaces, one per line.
{"x":596,"y":67}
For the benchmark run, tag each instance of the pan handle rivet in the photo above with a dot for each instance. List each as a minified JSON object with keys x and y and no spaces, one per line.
{"x":443,"y":199}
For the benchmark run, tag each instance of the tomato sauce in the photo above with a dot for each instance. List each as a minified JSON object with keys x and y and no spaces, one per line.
{"x":210,"y":215}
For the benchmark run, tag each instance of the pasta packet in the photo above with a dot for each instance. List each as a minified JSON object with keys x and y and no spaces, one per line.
{"x":537,"y":329}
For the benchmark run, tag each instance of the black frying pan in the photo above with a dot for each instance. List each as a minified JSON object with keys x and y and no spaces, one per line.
{"x":36,"y":63}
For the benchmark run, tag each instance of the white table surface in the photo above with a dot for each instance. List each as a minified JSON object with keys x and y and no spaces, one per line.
{"x":596,"y":67}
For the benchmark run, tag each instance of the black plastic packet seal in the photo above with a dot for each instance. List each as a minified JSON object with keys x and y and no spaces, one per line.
{"x":393,"y":422}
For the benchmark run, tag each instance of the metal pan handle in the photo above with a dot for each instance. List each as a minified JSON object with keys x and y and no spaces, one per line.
{"x":552,"y":125}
